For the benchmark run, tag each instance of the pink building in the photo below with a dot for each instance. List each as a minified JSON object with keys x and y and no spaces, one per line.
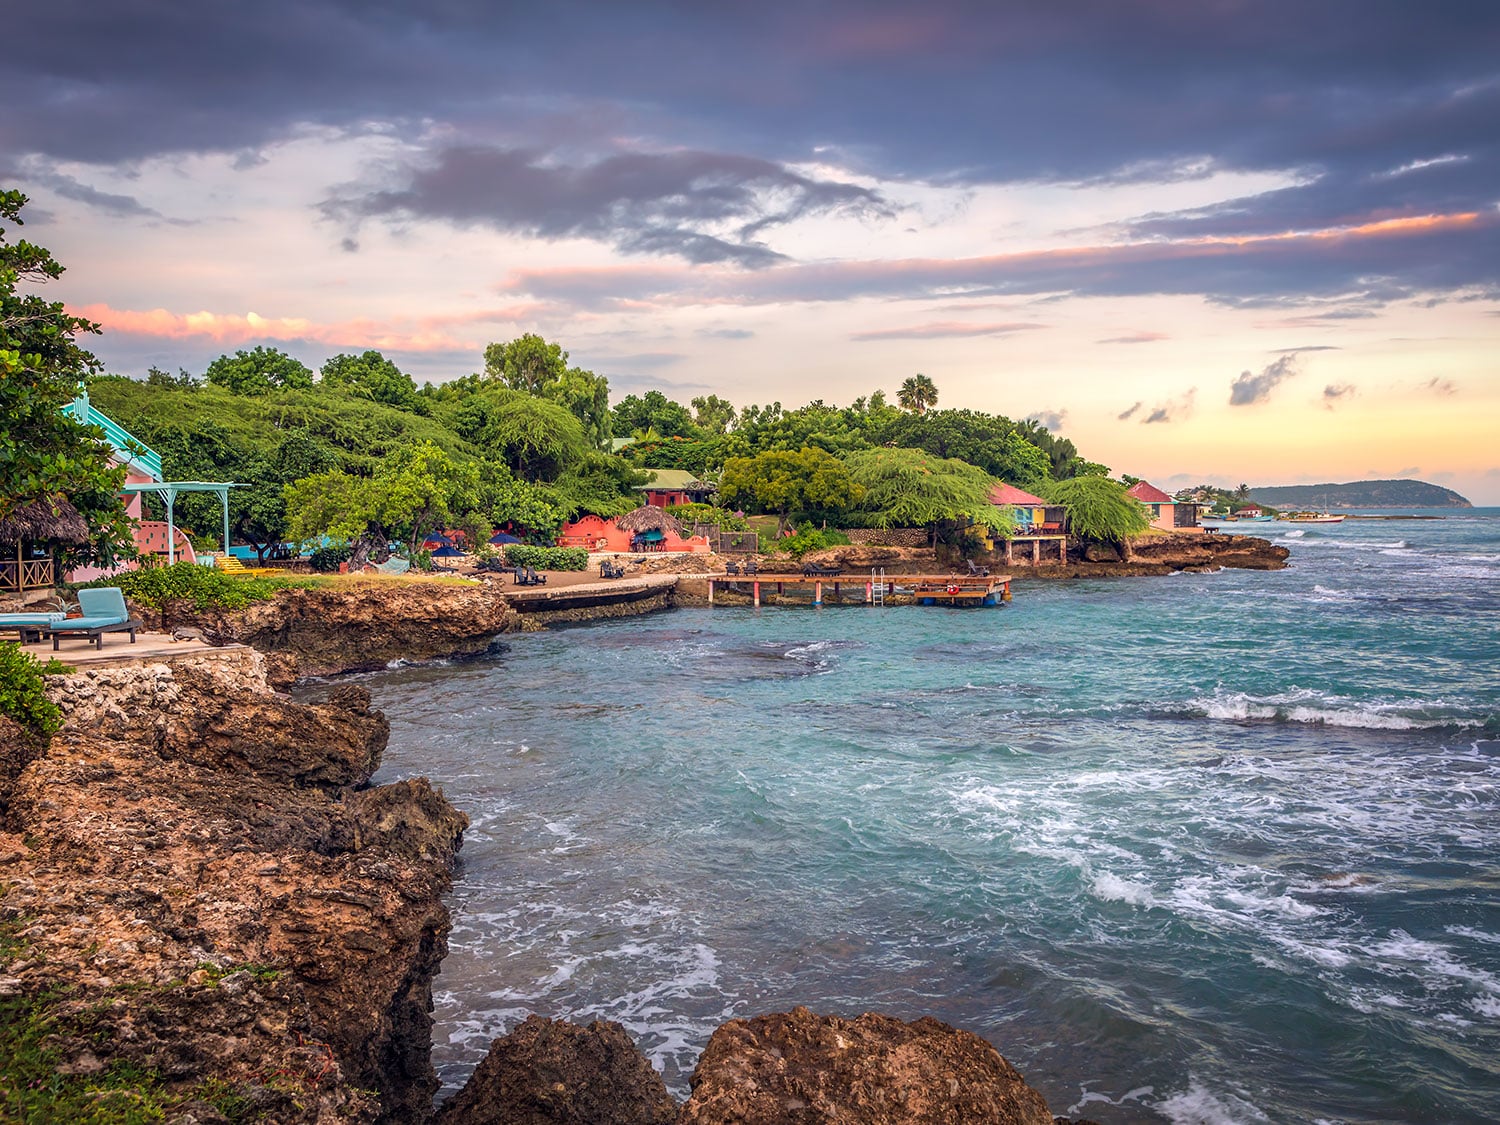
{"x":1167,"y":514}
{"x":595,"y":533}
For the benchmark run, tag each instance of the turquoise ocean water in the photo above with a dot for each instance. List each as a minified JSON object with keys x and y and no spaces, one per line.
{"x":1204,"y":848}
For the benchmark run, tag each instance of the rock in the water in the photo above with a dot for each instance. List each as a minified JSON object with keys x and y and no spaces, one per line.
{"x":547,"y":1072}
{"x":801,"y":1068}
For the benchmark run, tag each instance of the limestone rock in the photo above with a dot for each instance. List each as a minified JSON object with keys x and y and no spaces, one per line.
{"x":801,"y":1068}
{"x":549,"y":1072}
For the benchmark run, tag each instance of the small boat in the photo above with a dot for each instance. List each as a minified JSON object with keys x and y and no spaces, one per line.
{"x":1233,"y":521}
{"x":1310,"y":517}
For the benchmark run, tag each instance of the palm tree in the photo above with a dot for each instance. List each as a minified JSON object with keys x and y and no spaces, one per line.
{"x":917,"y":394}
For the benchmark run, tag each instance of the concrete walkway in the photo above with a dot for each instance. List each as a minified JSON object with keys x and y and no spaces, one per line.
{"x":81,"y":653}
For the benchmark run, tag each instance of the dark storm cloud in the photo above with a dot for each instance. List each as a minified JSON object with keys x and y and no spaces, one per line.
{"x":1250,"y":389}
{"x":655,"y":203}
{"x":36,"y":173}
{"x":1382,"y":110}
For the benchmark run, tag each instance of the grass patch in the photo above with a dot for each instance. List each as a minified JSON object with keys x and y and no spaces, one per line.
{"x":204,"y":587}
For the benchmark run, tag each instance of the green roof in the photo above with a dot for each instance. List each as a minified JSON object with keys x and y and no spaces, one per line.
{"x":674,"y":479}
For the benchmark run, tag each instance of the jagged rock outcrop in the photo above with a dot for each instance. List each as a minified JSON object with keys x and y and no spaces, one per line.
{"x":798,"y":1068}
{"x":550,"y":1072}
{"x":198,"y":887}
{"x":355,"y":625}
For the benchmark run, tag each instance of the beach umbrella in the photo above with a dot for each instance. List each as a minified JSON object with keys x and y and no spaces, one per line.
{"x":503,"y":538}
{"x":447,"y":552}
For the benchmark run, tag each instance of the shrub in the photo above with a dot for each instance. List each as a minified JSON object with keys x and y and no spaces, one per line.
{"x":547,"y":558}
{"x":204,"y":586}
{"x":807,"y":540}
{"x":23,"y":694}
{"x":325,"y":560}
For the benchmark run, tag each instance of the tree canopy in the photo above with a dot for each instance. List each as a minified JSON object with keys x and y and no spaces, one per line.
{"x":1099,"y":508}
{"x":43,"y":452}
{"x":259,"y":371}
{"x":784,"y":481}
{"x":917,"y":394}
{"x":370,"y":375}
{"x":913,"y":488}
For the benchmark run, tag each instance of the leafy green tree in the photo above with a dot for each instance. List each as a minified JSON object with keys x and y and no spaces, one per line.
{"x":586,"y":396}
{"x":913,"y":488}
{"x":989,"y":441}
{"x":528,"y":363}
{"x":917,"y":394}
{"x":535,"y":439}
{"x":531,"y":511}
{"x":1099,"y":509}
{"x":416,"y":491}
{"x":184,"y":380}
{"x":370,"y":375}
{"x":784,"y":481}
{"x":653,"y":412}
{"x":43,"y":452}
{"x":713,"y":414}
{"x":259,"y":371}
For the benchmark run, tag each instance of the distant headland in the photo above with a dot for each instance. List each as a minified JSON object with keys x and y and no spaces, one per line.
{"x":1361,"y":494}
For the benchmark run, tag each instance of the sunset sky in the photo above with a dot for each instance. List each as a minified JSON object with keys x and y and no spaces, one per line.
{"x":1207,"y":240}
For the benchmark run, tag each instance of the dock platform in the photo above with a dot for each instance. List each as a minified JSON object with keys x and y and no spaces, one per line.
{"x":925,"y":589}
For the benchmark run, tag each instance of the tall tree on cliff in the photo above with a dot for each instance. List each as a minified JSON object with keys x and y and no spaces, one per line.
{"x":44,"y":453}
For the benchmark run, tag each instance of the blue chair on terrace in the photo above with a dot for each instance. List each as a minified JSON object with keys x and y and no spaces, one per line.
{"x":29,"y":627}
{"x":104,"y":611}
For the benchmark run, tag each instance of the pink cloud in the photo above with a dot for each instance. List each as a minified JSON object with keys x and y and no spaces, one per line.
{"x":944,"y":328}
{"x":1135,"y":338}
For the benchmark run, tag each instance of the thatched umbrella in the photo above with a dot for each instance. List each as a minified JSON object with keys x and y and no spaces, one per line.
{"x":44,"y":521}
{"x":649,"y":519}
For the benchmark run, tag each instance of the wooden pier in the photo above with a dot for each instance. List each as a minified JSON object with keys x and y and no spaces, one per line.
{"x":925,"y":589}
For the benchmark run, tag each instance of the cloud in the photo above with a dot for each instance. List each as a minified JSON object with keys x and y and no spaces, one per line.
{"x":121,"y":206}
{"x":1439,"y":386}
{"x":699,"y":206}
{"x":1129,"y":412}
{"x":727,"y":333}
{"x":1135,"y":338}
{"x":1049,"y":420}
{"x":944,"y":330}
{"x":1250,"y":389}
{"x":1335,"y":393}
{"x":1307,"y":348}
{"x":1175,"y":410}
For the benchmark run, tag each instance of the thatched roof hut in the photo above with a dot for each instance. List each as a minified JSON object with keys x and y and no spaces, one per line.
{"x":649,"y":519}
{"x":44,"y":521}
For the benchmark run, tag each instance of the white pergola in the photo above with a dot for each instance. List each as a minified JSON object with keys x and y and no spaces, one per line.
{"x":168,"y":490}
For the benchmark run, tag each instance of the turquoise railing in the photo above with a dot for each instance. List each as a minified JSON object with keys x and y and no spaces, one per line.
{"x":131,"y":451}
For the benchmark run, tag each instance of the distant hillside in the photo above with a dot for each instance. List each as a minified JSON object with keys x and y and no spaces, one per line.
{"x":1361,"y":494}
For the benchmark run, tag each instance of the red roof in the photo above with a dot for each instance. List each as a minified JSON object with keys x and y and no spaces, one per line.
{"x":1149,"y":493}
{"x":1004,"y":493}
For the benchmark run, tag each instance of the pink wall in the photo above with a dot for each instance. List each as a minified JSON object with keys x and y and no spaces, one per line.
{"x":598,"y":534}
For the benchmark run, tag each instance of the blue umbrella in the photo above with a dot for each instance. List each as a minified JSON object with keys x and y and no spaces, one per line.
{"x":501,"y":538}
{"x":448,"y":552}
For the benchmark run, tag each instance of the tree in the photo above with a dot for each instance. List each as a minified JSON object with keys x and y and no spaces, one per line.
{"x":586,"y":396}
{"x":712,"y":413}
{"x":653,"y":411}
{"x":989,"y":441}
{"x":45,"y":453}
{"x":913,"y":488}
{"x":416,"y":491}
{"x":536,"y":439}
{"x":785,"y":481}
{"x":259,"y":371}
{"x":917,"y":394}
{"x":370,"y":375}
{"x":527,"y":363}
{"x":1099,"y":509}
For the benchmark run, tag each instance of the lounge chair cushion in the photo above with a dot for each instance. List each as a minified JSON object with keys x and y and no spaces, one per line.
{"x":106,"y":603}
{"x":12,"y":620}
{"x":83,"y":624}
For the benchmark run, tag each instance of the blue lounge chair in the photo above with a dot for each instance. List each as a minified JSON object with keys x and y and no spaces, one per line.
{"x":30,"y":627}
{"x":104,"y":611}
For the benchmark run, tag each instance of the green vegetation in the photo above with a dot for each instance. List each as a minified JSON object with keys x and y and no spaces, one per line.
{"x":806,"y":540}
{"x":547,"y":558}
{"x":782,"y":481}
{"x":204,"y":586}
{"x":1361,"y":494}
{"x":43,"y":452}
{"x":912,"y":488}
{"x":1099,"y":509}
{"x":23,"y":690}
